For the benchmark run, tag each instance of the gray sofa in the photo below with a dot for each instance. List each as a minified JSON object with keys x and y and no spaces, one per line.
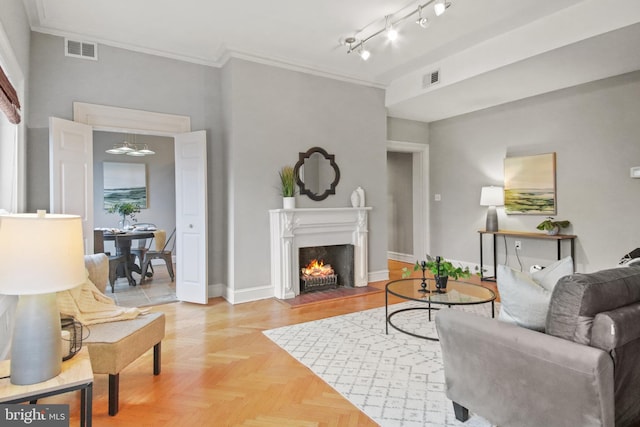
{"x":584,"y":371}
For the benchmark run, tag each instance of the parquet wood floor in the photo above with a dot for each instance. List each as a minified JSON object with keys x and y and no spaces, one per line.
{"x":218,"y":369}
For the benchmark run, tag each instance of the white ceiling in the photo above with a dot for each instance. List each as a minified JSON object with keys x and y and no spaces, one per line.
{"x":308,"y":36}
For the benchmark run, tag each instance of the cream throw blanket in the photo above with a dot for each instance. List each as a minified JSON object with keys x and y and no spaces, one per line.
{"x":90,"y":306}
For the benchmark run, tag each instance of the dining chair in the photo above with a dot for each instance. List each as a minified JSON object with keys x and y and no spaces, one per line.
{"x":143,"y":244}
{"x":163,"y":250}
{"x":114,"y":260}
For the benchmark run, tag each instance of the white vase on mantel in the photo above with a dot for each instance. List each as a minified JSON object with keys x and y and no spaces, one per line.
{"x":360,"y":197}
{"x":288,"y":202}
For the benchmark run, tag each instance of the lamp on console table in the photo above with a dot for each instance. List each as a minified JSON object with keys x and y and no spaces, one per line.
{"x":492,"y":197}
{"x":40,"y":255}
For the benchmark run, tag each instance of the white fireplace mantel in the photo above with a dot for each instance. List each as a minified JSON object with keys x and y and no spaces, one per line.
{"x":292,"y":229}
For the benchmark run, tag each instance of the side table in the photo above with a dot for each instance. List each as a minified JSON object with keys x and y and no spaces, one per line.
{"x":76,"y":374}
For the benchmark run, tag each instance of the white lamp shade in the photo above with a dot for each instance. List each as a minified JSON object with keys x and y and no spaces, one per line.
{"x":40,"y":253}
{"x":492,"y":196}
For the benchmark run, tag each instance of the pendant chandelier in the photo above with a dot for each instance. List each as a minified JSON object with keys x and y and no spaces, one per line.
{"x":131,"y":148}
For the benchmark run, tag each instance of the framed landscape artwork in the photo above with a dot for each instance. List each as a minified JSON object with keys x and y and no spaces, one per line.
{"x":530,"y":184}
{"x":125,"y":182}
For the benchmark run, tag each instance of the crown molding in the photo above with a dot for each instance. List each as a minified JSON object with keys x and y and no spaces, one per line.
{"x":222,"y":57}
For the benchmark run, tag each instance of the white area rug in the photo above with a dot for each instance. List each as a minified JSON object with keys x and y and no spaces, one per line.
{"x":395,"y":379}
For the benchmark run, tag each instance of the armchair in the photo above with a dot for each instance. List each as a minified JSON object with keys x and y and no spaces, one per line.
{"x":582,"y":372}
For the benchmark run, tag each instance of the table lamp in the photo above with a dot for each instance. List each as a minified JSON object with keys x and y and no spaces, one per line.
{"x":40,"y":255}
{"x":492,"y":197}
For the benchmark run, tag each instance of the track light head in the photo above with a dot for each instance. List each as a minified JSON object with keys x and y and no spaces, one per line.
{"x":392,"y":34}
{"x":422,"y":21}
{"x":364,"y":53}
{"x":441,"y":6}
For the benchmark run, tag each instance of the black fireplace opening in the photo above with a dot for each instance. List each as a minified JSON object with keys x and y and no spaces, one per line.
{"x":339,"y":257}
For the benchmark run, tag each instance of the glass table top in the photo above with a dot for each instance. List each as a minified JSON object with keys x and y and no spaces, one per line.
{"x":457,"y":292}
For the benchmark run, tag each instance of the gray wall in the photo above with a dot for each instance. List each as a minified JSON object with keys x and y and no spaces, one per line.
{"x":15,"y":24}
{"x":161,"y":179}
{"x":125,"y":79}
{"x":273,"y":114}
{"x":257,"y":119}
{"x":400,"y":202}
{"x":593,"y":129}
{"x":407,"y":130}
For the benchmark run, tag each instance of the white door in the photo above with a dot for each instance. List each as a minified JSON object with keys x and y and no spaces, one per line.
{"x":191,"y":217}
{"x":71,"y":173}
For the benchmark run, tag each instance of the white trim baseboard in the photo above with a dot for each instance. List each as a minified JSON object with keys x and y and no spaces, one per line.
{"x":247,"y":295}
{"x":378,"y":276}
{"x":397,"y":256}
{"x":216,"y":290}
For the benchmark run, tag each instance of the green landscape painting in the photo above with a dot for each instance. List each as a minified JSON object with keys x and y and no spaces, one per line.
{"x":530,"y":184}
{"x":125,"y":182}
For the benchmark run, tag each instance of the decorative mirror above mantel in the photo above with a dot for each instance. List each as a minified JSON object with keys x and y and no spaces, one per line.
{"x":317,"y":174}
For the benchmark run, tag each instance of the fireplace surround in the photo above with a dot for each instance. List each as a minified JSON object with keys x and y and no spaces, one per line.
{"x":292,"y":229}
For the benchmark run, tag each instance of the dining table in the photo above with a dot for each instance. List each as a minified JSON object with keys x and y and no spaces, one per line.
{"x":123,"y":241}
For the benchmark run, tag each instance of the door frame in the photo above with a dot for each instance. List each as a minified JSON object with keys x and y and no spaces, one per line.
{"x":123,"y":120}
{"x":420,"y":173}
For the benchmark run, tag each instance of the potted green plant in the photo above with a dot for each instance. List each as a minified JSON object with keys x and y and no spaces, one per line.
{"x":287,"y":186}
{"x":126,"y":209}
{"x":441,"y":270}
{"x":552,"y":227}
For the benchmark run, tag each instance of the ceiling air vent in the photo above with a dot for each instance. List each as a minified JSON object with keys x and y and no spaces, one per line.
{"x":84,"y":50}
{"x":430,"y":79}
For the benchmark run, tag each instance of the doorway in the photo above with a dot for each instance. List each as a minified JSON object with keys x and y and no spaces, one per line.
{"x":408,"y":200}
{"x":71,"y":151}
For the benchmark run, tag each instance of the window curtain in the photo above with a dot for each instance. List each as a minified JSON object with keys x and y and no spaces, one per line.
{"x":9,"y":103}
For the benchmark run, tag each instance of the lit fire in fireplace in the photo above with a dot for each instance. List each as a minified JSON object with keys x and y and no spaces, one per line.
{"x":317,"y":269}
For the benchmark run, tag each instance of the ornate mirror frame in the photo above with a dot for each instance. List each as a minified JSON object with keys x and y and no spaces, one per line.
{"x":332,"y":187}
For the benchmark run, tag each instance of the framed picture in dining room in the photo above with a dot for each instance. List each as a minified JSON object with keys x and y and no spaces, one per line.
{"x":125,"y":182}
{"x":530,"y":185}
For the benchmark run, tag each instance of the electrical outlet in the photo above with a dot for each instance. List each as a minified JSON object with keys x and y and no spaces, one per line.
{"x":518,"y":245}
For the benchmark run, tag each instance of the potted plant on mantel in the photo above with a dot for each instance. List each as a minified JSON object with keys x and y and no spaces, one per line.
{"x":126,"y":209}
{"x":552,"y":227}
{"x":441,"y":270}
{"x":287,"y":187}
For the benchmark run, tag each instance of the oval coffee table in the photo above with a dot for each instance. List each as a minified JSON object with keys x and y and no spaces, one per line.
{"x":456,"y":293}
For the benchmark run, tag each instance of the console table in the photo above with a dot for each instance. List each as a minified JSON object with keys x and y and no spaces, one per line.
{"x":558,"y":238}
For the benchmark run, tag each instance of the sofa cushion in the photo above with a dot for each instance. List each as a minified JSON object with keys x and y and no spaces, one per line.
{"x":524,"y":298}
{"x":578,"y":298}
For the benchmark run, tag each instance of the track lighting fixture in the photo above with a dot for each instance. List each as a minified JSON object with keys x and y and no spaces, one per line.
{"x":441,"y":7}
{"x":392,"y":34}
{"x":422,"y":21}
{"x":390,"y":26}
{"x":364,"y":53}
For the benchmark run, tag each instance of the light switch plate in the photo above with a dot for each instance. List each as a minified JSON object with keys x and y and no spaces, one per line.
{"x":635,"y":172}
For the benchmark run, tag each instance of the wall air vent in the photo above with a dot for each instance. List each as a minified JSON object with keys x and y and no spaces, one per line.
{"x":430,"y":79}
{"x":78,"y":49}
